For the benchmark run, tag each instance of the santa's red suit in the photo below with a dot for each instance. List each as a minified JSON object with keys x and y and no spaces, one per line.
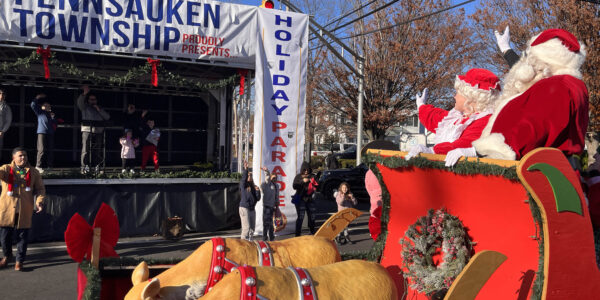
{"x":552,"y":112}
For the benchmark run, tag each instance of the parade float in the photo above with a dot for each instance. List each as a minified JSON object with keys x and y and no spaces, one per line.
{"x":484,"y":229}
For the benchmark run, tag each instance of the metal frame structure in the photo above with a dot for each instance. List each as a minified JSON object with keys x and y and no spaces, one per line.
{"x":318,"y":31}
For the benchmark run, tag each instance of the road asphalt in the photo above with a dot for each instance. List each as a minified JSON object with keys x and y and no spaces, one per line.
{"x":50,"y":273}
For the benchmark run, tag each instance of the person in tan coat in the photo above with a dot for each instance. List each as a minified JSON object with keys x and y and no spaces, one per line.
{"x":20,"y":182}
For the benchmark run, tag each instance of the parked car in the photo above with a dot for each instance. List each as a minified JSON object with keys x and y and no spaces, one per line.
{"x":330,"y":180}
{"x":325,"y":149}
{"x":349,"y":153}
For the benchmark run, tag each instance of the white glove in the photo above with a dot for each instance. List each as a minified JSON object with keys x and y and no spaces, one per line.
{"x":421,"y":99}
{"x":416,"y":149}
{"x":454,"y":155}
{"x":503,"y":40}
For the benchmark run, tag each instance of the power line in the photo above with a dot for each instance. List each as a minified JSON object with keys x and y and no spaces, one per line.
{"x":408,"y":21}
{"x":361,"y":17}
{"x":349,"y":13}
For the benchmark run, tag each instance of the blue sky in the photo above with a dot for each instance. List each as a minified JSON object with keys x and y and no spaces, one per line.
{"x":470,"y":8}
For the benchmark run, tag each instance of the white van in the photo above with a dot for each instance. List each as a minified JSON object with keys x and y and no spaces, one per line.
{"x":324,"y":149}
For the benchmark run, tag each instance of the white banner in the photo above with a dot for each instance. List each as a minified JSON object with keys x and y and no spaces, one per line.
{"x":280,"y":105}
{"x":197,"y":29}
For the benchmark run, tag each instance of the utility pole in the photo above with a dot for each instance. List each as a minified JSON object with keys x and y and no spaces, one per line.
{"x":318,"y":31}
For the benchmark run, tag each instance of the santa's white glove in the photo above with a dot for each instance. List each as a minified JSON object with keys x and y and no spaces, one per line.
{"x":454,"y":155}
{"x":503,"y":40}
{"x":421,"y":99}
{"x":416,"y":149}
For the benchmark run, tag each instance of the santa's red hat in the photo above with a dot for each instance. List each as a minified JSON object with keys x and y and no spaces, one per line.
{"x":559,"y":49}
{"x":478,"y":85}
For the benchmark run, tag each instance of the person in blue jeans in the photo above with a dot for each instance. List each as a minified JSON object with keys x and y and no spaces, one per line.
{"x":305,"y":186}
{"x":46,"y":127}
{"x":250,"y":195}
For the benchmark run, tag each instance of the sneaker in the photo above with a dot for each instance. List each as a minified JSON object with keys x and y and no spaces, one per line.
{"x":132,"y":171}
{"x":40,"y":170}
{"x":123,"y":171}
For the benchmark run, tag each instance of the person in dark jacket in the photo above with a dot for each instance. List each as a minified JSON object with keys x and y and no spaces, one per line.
{"x":305,"y":186}
{"x":270,"y":192}
{"x":250,"y":195}
{"x":45,"y":132}
{"x":331,"y":163}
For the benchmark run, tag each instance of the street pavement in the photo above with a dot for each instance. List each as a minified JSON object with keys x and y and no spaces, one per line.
{"x":50,"y":273}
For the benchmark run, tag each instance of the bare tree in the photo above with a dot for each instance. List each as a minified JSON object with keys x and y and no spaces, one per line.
{"x":399,"y":62}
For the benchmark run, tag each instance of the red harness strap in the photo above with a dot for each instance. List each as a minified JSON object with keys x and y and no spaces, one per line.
{"x":219,"y":265}
{"x":305,"y":284}
{"x":248,"y":291}
{"x":265,"y":255}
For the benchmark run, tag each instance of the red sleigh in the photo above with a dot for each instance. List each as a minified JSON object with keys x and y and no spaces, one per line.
{"x":552,"y":258}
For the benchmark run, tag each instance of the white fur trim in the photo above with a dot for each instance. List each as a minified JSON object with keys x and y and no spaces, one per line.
{"x":561,"y":60}
{"x":493,"y":146}
{"x":28,"y":189}
{"x":10,"y":193}
{"x":499,"y":106}
{"x":478,"y":99}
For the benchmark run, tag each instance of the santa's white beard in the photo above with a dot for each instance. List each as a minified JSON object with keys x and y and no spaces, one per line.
{"x":525,"y":73}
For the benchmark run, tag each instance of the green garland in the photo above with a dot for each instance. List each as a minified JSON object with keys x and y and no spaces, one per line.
{"x":179,"y":174}
{"x":94,"y":280}
{"x":134,"y":74}
{"x":438,"y":229}
{"x":20,"y":63}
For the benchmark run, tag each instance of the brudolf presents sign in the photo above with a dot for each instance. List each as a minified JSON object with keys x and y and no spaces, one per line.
{"x":279,"y":110}
{"x":176,"y":28}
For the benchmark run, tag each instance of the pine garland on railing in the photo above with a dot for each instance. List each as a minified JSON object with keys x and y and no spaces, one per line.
{"x":135,"y":73}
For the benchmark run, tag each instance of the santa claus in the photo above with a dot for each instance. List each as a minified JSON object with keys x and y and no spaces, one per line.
{"x":544,"y":102}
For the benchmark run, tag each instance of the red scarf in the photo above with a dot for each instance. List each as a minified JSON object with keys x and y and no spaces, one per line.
{"x":11,"y":181}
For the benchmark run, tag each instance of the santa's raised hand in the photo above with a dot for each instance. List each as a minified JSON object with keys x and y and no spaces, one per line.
{"x":503,"y":40}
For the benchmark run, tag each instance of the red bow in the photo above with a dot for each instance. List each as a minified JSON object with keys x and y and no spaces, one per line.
{"x":45,"y":53}
{"x":79,"y":234}
{"x":154,"y":63}
{"x":243,"y":74}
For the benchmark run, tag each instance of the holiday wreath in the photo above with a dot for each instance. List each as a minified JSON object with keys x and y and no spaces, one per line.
{"x":422,"y":240}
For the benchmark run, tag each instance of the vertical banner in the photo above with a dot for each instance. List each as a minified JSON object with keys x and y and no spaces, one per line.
{"x":279,"y":110}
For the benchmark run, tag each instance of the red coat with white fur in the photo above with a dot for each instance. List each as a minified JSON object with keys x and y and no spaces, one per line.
{"x":551,"y":113}
{"x":431,"y":116}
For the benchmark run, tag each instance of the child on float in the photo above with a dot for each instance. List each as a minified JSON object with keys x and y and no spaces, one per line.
{"x":128,"y":145}
{"x":455,"y":130}
{"x":150,"y":135}
{"x":344,"y":199}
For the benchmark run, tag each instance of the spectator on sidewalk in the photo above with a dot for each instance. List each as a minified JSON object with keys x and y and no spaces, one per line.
{"x":344,"y":199}
{"x":46,"y":128}
{"x":250,"y":196}
{"x":331,"y":162}
{"x":20,"y":182}
{"x":270,"y":192}
{"x":150,"y":136}
{"x":305,"y":186}
{"x":5,"y":118}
